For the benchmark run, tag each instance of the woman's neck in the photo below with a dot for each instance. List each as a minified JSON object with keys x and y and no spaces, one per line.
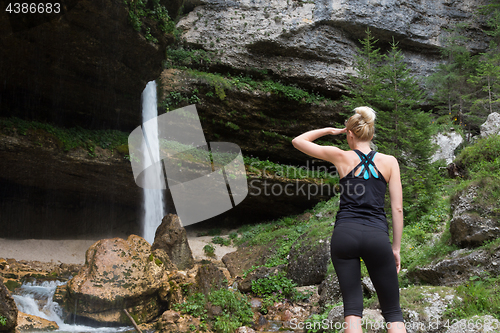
{"x":363,"y":146}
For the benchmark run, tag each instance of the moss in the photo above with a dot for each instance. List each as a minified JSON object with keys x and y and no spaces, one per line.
{"x":12,"y":285}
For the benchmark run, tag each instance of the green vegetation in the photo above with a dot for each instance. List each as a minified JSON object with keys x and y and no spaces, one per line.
{"x":466,"y":86}
{"x":140,"y":11}
{"x":3,"y":321}
{"x":236,"y":309}
{"x":65,"y":138}
{"x":209,"y":250}
{"x":221,"y":241}
{"x":276,"y":288}
{"x":246,"y":82}
{"x":383,"y":81}
{"x":283,"y":233}
{"x":479,"y":296}
{"x":481,"y":163}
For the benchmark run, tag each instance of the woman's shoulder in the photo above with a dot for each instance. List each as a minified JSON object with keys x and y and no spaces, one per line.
{"x":386,"y":157}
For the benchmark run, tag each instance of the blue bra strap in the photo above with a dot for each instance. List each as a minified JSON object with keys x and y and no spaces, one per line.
{"x":366,"y":164}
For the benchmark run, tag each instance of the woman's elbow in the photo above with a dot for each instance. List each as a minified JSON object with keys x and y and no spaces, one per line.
{"x":397,"y":209}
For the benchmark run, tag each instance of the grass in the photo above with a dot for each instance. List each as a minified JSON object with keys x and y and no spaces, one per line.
{"x":66,"y":138}
{"x":283,"y":233}
{"x":479,"y":296}
{"x":236,"y":309}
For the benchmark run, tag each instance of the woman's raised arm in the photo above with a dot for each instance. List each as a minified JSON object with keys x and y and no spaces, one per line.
{"x":305,"y":144}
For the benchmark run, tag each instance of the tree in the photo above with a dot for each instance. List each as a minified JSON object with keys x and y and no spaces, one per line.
{"x":367,"y":81}
{"x":385,"y":83}
{"x":449,"y":83}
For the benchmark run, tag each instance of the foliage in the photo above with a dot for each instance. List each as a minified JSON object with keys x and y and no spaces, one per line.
{"x":221,"y":241}
{"x":209,"y":250}
{"x":246,"y":82}
{"x":67,"y":138}
{"x":467,"y":85}
{"x":479,"y":296}
{"x":176,"y":99}
{"x":384,"y":82}
{"x":315,"y":323}
{"x":186,"y":57}
{"x":283,"y":233}
{"x":276,"y":288}
{"x":3,"y":321}
{"x":476,"y":157}
{"x":139,"y":11}
{"x":236,"y":309}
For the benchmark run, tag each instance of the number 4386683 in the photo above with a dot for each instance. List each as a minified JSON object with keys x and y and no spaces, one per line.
{"x":33,"y":8}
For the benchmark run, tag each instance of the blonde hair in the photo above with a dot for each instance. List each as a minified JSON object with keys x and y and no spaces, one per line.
{"x":362,"y":123}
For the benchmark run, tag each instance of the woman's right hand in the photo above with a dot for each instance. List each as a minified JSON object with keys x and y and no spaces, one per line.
{"x":397,"y":258}
{"x":337,"y":131}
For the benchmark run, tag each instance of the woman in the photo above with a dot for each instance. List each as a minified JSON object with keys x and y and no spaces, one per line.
{"x":361,"y":230}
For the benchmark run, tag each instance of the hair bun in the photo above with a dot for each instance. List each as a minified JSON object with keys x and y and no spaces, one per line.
{"x":367,"y":113}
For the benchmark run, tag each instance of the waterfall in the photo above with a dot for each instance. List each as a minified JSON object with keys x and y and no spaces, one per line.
{"x":36,"y":299}
{"x":153,"y":198}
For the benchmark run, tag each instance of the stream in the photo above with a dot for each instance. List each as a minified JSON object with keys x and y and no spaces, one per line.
{"x":36,"y":299}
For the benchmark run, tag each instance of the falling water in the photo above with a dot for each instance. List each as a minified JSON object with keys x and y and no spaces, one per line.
{"x":153,"y":198}
{"x":36,"y":299}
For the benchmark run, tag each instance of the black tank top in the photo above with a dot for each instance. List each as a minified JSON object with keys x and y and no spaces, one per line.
{"x":363,"y":194}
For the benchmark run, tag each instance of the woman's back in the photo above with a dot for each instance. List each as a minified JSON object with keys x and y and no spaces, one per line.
{"x":363,"y":194}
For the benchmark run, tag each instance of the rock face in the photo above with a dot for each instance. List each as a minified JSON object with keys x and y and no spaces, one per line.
{"x":118,"y":274}
{"x":85,"y":65}
{"x":8,"y":309}
{"x":312,"y":43}
{"x":491,"y":126}
{"x":447,"y":143}
{"x":47,"y":192}
{"x":172,"y":238}
{"x":458,"y":267}
{"x":45,"y":189}
{"x":472,"y":224}
{"x":308,"y":262}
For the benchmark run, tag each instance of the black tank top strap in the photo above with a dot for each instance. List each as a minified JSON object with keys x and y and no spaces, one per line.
{"x":366,"y":165}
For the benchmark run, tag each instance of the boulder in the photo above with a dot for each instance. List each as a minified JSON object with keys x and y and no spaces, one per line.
{"x":118,"y":274}
{"x":26,"y":322}
{"x":172,"y":322}
{"x":491,"y":126}
{"x":308,"y":261}
{"x":244,"y":258}
{"x":329,"y":291}
{"x":8,"y":309}
{"x":368,"y":287}
{"x":456,"y":269}
{"x":472,"y":224}
{"x":172,"y":238}
{"x":259,"y":273}
{"x":210,"y":278}
{"x":447,"y":143}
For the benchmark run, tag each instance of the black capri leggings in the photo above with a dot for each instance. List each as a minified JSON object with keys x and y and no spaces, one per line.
{"x":352,"y":241}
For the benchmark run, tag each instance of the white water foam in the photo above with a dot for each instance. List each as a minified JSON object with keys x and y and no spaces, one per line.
{"x":37,"y":299}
